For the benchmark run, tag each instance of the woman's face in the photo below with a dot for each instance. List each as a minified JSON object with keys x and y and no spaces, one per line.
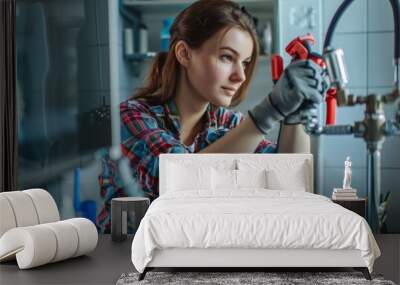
{"x":217,"y":68}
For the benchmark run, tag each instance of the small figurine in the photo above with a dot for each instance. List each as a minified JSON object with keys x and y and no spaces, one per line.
{"x":347,"y":174}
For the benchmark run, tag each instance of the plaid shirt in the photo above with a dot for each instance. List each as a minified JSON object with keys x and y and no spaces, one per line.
{"x":148,"y":130}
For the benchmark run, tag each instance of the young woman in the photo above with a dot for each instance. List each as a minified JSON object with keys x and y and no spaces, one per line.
{"x":183,"y":106}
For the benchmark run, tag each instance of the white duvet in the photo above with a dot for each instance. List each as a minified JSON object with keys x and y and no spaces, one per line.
{"x":251,"y":218}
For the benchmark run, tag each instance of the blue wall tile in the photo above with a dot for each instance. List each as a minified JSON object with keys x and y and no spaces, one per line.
{"x":380,"y":17}
{"x":380,"y":59}
{"x":355,"y":55}
{"x":380,"y":90}
{"x":391,"y":153}
{"x":353,"y":20}
{"x":337,"y":148}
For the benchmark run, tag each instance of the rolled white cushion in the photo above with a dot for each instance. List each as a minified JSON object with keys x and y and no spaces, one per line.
{"x":7,"y":218}
{"x":87,"y":235}
{"x":40,"y":244}
{"x":23,"y":208}
{"x":45,"y":205}
{"x":66,"y":238}
{"x":26,"y":208}
{"x":33,"y":246}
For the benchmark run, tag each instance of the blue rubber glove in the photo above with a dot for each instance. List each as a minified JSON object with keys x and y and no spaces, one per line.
{"x":303,"y":82}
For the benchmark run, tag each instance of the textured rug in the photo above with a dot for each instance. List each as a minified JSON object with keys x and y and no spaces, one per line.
{"x":243,"y":278}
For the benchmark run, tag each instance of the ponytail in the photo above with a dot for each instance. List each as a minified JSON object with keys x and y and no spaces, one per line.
{"x":162,"y":80}
{"x":153,"y":80}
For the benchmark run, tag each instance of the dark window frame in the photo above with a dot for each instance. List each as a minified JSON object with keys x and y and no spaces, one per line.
{"x":8,"y":115}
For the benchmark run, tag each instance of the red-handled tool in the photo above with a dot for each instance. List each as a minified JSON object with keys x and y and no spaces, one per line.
{"x":277,"y":67}
{"x":300,"y":48}
{"x":331,"y":106}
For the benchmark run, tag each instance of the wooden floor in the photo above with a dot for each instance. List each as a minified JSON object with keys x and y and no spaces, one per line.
{"x":110,"y":260}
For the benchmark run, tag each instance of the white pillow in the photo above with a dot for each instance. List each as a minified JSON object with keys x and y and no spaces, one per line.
{"x":224,"y":179}
{"x":235,"y":179}
{"x":294,"y":179}
{"x":251,"y":178}
{"x":183,"y":177}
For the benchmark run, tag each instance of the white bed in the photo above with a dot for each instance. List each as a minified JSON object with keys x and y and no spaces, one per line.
{"x":229,"y":210}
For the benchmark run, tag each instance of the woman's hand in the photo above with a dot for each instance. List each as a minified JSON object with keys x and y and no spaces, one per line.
{"x":303,"y":84}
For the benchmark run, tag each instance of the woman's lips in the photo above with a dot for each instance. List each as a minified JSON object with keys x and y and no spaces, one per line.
{"x":229,"y":90}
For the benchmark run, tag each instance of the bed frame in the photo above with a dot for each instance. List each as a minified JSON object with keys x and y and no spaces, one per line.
{"x":246,"y":259}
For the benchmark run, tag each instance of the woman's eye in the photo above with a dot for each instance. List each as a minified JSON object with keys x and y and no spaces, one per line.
{"x":245,"y":64}
{"x":226,"y":57}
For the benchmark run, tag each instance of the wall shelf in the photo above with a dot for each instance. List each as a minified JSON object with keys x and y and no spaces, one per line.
{"x":151,"y":12}
{"x":165,"y":6}
{"x":138,"y":57}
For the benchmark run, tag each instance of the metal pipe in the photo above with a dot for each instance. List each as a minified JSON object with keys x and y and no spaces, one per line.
{"x":396,"y":64}
{"x":115,"y":151}
{"x":396,"y":61}
{"x":329,"y":130}
{"x":396,"y":21}
{"x":373,"y":185}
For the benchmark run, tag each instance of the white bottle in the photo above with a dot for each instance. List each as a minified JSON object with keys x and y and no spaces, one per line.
{"x":267,"y":38}
{"x":143,"y":39}
{"x":128,"y":42}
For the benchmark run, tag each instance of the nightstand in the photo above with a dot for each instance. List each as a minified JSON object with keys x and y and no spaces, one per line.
{"x":119,"y":214}
{"x":358,"y":206}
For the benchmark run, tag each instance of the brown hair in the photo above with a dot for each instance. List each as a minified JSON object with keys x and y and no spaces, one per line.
{"x":194,"y":25}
